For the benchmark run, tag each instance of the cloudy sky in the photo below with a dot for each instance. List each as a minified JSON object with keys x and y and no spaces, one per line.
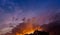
{"x":12,"y":9}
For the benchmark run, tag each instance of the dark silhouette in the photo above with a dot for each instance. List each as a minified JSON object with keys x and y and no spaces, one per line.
{"x":39,"y":33}
{"x":54,"y":26}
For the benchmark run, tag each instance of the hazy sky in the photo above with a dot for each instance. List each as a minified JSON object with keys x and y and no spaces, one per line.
{"x":26,"y":8}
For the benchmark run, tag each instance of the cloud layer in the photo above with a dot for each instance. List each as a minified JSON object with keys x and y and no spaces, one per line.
{"x":10,"y":10}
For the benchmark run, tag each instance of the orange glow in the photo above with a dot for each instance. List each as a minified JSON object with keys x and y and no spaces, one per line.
{"x":28,"y":27}
{"x":29,"y":31}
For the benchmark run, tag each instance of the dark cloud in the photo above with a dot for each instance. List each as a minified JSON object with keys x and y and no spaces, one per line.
{"x":26,"y":8}
{"x":54,"y":26}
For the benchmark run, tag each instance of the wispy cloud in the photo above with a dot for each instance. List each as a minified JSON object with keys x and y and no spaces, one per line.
{"x":16,"y":9}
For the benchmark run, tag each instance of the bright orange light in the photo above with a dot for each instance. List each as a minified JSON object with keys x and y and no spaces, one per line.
{"x":29,"y":32}
{"x":28,"y":27}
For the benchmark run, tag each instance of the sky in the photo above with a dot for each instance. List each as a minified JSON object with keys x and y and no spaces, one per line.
{"x":19,"y":9}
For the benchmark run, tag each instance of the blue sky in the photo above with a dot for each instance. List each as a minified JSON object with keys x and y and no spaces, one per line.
{"x":29,"y":4}
{"x":26,"y":8}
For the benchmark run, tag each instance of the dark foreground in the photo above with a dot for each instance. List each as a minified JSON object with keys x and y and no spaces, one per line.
{"x":39,"y":33}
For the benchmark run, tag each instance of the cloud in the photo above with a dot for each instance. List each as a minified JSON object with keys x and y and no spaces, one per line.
{"x":10,"y":9}
{"x":5,"y":30}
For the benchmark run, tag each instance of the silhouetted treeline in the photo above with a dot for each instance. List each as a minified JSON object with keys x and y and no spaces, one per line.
{"x":39,"y":33}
